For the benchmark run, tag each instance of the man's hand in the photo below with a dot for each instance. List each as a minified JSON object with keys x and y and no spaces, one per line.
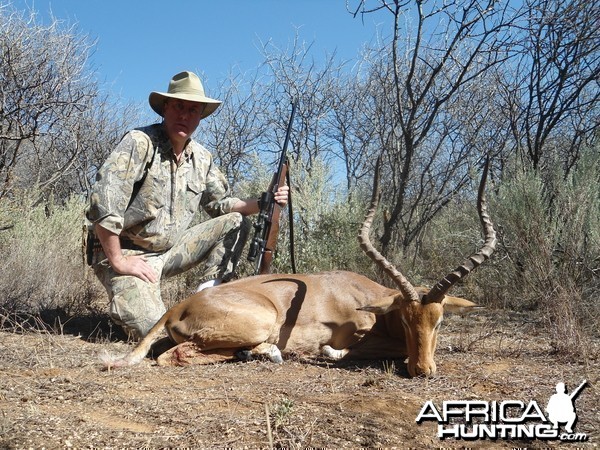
{"x":135,"y":265}
{"x":282,"y":195}
{"x":250,"y":206}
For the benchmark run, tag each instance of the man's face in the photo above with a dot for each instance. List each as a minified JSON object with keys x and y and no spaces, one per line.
{"x":181,"y":119}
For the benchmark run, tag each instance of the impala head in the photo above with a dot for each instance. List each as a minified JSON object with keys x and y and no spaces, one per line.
{"x":422,"y":310}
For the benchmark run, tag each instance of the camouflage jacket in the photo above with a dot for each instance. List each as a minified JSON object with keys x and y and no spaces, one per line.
{"x":145,"y":196}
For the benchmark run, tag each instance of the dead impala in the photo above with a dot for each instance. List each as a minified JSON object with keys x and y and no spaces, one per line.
{"x":336,"y":314}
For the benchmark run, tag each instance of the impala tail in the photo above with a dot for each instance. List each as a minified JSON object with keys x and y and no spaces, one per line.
{"x":139,"y":352}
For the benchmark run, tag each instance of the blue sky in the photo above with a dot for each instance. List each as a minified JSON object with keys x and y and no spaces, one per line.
{"x":142,"y":43}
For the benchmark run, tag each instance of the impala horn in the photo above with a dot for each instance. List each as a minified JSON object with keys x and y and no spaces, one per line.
{"x":403,"y":284}
{"x":437,"y":292}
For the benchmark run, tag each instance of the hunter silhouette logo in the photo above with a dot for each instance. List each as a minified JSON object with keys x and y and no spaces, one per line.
{"x":507,"y":419}
{"x":561,"y":407}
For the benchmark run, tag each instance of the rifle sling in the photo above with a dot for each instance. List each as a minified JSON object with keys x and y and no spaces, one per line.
{"x":291,"y":222}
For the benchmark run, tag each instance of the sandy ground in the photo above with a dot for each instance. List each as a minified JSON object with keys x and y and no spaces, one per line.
{"x":53,"y":393}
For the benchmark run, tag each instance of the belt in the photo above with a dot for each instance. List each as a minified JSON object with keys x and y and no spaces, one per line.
{"x":127,"y":244}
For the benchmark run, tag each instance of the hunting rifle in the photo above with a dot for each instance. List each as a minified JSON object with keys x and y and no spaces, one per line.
{"x":267,"y":224}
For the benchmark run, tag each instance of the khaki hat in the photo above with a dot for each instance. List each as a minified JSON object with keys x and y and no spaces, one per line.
{"x":184,"y":86}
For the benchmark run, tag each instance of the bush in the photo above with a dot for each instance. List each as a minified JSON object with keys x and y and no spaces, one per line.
{"x":550,"y":250}
{"x":42,"y":262}
{"x":326,"y":223}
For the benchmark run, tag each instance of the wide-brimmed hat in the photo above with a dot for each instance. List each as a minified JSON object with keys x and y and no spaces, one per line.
{"x":184,"y":86}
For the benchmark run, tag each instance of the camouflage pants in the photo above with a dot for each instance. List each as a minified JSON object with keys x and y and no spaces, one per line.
{"x":216,"y":244}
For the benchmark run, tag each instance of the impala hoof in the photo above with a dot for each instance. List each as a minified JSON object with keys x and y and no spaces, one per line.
{"x":244,"y":355}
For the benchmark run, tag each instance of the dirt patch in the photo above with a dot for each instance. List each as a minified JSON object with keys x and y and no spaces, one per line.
{"x":54,"y":395}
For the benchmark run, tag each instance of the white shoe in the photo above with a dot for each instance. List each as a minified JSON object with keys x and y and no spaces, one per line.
{"x":209,"y":284}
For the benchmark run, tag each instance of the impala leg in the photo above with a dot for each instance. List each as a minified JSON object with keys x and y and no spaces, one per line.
{"x":330,"y":352}
{"x":271,"y":351}
{"x":189,"y":354}
{"x":369,"y":347}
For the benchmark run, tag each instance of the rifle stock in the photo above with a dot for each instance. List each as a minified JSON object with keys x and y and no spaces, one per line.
{"x":266,"y":227}
{"x":272,"y":229}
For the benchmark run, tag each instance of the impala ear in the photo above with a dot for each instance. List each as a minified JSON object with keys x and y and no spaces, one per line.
{"x":382,"y":305}
{"x":459,"y":305}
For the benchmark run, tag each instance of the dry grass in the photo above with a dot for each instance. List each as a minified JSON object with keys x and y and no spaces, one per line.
{"x":54,"y":395}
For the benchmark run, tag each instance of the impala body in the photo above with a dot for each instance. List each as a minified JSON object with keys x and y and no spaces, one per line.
{"x":307,"y":314}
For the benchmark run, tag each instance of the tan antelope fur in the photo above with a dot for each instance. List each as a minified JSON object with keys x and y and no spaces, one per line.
{"x":341,"y":315}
